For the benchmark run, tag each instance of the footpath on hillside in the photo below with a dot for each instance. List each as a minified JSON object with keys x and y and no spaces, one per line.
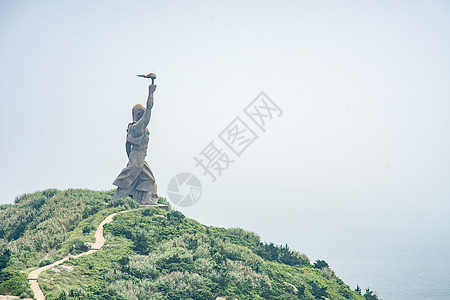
{"x":99,"y":243}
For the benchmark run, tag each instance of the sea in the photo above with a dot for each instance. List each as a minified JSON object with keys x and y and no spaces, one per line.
{"x":410,"y":269}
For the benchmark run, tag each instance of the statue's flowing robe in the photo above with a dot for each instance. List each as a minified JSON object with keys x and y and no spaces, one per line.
{"x":137,"y":178}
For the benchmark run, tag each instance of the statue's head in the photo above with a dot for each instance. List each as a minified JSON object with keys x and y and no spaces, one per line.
{"x":138,"y":112}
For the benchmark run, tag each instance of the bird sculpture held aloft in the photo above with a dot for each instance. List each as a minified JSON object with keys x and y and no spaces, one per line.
{"x":152,"y":76}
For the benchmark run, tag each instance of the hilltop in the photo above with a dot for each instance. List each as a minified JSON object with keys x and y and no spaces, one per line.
{"x":149,"y":253}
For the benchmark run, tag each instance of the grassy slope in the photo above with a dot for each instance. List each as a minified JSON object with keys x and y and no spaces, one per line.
{"x":40,"y":228}
{"x":152,"y":254}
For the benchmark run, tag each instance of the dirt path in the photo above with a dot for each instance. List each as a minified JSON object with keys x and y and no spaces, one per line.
{"x":99,"y":242}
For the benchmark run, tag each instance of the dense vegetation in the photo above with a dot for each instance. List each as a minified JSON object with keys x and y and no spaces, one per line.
{"x":149,"y":254}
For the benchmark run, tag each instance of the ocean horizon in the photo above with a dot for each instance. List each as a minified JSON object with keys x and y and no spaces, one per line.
{"x":417,"y":269}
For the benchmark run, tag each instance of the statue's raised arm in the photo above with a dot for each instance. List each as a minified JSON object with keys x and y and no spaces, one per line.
{"x":143,"y":120}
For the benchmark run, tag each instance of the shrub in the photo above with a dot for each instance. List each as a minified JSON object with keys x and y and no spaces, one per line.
{"x":88,"y":228}
{"x":126,"y":203}
{"x":328,"y":273}
{"x":175,"y":259}
{"x":240,"y":253}
{"x":44,"y":262}
{"x":318,"y":290}
{"x":76,"y":293}
{"x":148,"y":212}
{"x":320,"y":264}
{"x":77,"y":246}
{"x":5,"y":206}
{"x":37,"y":203}
{"x":175,"y":216}
{"x":164,"y":201}
{"x":4,"y":259}
{"x":124,"y":260}
{"x":50,"y":193}
{"x":61,"y":296}
{"x":184,"y":285}
{"x":370,"y":295}
{"x":14,"y":283}
{"x":91,"y":210}
{"x":282,"y":254}
{"x":141,"y":241}
{"x":142,"y":267}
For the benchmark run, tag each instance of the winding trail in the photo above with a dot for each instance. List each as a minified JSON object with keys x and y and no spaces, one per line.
{"x":99,"y":242}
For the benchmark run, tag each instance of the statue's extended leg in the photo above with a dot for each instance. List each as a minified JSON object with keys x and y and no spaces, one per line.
{"x":120,"y":193}
{"x":146,"y":197}
{"x":154,"y":194}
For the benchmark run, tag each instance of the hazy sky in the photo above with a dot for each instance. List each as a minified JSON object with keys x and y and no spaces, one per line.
{"x":360,"y":156}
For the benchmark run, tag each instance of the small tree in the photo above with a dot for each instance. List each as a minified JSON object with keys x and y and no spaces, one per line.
{"x":141,"y":241}
{"x":77,"y":246}
{"x":320,"y":264}
{"x":175,"y":216}
{"x":370,"y":295}
{"x":4,"y":259}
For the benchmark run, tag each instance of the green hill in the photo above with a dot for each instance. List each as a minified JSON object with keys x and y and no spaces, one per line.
{"x":149,"y":253}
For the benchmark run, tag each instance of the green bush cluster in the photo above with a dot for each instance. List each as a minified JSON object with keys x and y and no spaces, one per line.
{"x":75,"y":293}
{"x":45,"y":262}
{"x":77,"y":246}
{"x":14,"y":281}
{"x":282,"y":254}
{"x":88,"y":228}
{"x":368,"y":295}
{"x":126,"y":203}
{"x":268,"y":251}
{"x":11,"y":280}
{"x":320,"y":264}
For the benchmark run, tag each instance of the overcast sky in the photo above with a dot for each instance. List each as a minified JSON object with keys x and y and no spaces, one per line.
{"x":361,"y":153}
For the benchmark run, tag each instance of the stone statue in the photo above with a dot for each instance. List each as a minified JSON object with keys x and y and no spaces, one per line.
{"x":137,"y":180}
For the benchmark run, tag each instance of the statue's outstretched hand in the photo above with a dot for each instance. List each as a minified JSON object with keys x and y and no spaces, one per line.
{"x":151,"y":88}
